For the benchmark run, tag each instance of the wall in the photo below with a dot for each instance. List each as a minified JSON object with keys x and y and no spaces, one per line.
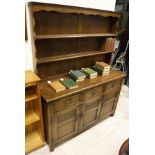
{"x":97,"y":4}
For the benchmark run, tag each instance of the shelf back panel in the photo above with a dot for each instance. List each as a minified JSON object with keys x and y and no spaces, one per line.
{"x":48,"y":23}
{"x":63,"y":67}
{"x":64,"y":46}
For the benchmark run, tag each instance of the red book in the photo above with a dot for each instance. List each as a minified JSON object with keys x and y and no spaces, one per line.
{"x":102,"y":65}
{"x":113,"y":45}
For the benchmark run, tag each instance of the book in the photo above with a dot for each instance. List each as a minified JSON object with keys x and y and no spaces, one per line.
{"x":73,"y":77}
{"x":102,"y":65}
{"x":56,"y":86}
{"x":69,"y":83}
{"x":89,"y":72}
{"x":92,"y":77}
{"x":100,"y":71}
{"x":111,"y":42}
{"x":113,"y":45}
{"x":77,"y":74}
{"x":108,"y":44}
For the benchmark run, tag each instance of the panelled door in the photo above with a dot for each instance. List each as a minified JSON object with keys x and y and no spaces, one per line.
{"x":65,"y":123}
{"x":90,"y":112}
{"x":108,"y":103}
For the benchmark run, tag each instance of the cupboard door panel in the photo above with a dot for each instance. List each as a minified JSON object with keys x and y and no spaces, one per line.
{"x":108,"y":103}
{"x":107,"y":107}
{"x":90,"y":112}
{"x":65,"y":123}
{"x":89,"y":117}
{"x":66,"y":129}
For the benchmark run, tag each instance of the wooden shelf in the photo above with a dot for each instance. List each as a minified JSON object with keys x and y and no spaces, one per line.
{"x":33,"y":141}
{"x":70,"y":56}
{"x":30,"y":97}
{"x":37,"y":37}
{"x":31,"y":117}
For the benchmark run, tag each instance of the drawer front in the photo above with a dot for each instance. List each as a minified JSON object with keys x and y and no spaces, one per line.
{"x":64,"y":103}
{"x":113,"y":84}
{"x":88,"y":95}
{"x":98,"y":91}
{"x":93,"y":93}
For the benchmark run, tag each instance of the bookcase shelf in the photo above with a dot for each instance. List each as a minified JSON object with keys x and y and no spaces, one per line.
{"x":31,"y":117}
{"x":34,"y":130}
{"x":71,"y":56}
{"x":33,"y":141}
{"x":30,"y":97}
{"x":37,"y":37}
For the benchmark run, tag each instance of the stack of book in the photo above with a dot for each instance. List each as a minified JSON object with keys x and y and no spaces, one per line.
{"x":102,"y":68}
{"x":69,"y":83}
{"x":77,"y":75}
{"x":89,"y":72}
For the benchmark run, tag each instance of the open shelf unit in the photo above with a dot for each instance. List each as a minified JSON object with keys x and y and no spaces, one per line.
{"x":68,"y":38}
{"x":34,"y":131}
{"x":63,"y":34}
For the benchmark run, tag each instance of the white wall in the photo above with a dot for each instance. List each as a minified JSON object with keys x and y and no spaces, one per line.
{"x":97,"y":4}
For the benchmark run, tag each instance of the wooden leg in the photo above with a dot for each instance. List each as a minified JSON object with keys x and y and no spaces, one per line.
{"x":113,"y":114}
{"x":51,"y":147}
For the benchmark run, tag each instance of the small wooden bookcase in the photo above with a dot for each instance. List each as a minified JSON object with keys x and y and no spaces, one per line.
{"x":68,"y":38}
{"x":34,"y":130}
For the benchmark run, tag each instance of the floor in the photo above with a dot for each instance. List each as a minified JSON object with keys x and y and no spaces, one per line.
{"x":103,"y":139}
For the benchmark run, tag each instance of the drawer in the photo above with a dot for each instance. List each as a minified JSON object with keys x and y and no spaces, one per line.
{"x":64,"y":103}
{"x":93,"y":93}
{"x":113,"y":84}
{"x":98,"y":91}
{"x":88,"y":95}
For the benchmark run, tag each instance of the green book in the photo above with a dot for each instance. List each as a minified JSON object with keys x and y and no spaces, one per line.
{"x":73,"y":77}
{"x":103,"y":68}
{"x":77,"y":74}
{"x":70,"y":84}
{"x":100,"y":71}
{"x":89,"y":72}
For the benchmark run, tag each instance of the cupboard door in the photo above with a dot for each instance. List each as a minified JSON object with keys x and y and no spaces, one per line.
{"x":108,"y":103}
{"x":90,"y":112}
{"x":65,"y":123}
